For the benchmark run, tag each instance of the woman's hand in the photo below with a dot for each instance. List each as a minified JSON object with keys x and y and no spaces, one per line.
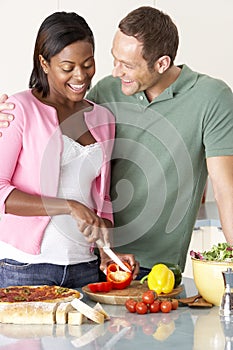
{"x":91,"y":225}
{"x":5,"y":118}
{"x":129,"y":258}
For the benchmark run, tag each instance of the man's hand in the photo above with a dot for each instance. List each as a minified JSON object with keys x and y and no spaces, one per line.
{"x":5,"y":118}
{"x":129,"y":258}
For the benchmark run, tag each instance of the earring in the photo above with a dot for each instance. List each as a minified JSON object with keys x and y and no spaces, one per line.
{"x":46,"y":70}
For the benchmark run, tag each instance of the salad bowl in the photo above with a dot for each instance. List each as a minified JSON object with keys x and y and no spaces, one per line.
{"x":207,"y":271}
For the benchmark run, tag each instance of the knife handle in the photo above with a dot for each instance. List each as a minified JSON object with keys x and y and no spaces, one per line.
{"x":100,"y":243}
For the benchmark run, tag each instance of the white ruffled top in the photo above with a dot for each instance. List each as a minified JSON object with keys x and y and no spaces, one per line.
{"x":63,"y":244}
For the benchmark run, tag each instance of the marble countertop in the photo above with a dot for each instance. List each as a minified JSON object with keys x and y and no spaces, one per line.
{"x":185,"y":329}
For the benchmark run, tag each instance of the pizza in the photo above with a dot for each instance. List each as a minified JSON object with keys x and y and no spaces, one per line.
{"x":36,"y":304}
{"x":37,"y":293}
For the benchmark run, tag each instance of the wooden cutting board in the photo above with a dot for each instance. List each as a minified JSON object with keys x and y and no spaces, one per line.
{"x":135,"y":291}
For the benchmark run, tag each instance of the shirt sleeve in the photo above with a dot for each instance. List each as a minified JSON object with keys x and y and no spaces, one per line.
{"x":218,"y":125}
{"x":10,"y":148}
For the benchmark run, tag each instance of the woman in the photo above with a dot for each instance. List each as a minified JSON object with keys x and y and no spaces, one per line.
{"x":54,"y":180}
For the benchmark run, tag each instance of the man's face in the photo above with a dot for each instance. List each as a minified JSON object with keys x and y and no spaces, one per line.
{"x":130,"y":66}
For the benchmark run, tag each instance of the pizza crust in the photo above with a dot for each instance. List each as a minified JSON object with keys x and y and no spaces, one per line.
{"x":28,"y":312}
{"x":62,"y":312}
{"x":75,"y":318}
{"x":100,"y":308}
{"x":87,"y":311}
{"x":41,"y":306}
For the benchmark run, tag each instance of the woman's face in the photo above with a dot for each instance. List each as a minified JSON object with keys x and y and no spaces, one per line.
{"x":70,"y":71}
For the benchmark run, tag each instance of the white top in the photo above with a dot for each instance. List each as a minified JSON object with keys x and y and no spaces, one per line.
{"x":63,"y":243}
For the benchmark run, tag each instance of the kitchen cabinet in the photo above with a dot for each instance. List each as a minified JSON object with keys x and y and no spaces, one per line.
{"x":203,"y":238}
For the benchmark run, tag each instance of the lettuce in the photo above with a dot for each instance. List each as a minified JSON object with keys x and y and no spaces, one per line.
{"x":219,"y":252}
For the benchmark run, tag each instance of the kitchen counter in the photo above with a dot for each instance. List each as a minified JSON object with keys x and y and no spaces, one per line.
{"x":208,"y":215}
{"x":184,"y":329}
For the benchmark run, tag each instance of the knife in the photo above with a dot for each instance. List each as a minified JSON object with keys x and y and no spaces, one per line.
{"x":112,"y":255}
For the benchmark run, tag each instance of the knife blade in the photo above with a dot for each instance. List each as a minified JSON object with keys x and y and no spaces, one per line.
{"x":112,"y":255}
{"x":115,"y":258}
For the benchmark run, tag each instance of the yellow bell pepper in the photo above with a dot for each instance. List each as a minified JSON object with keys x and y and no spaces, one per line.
{"x":161,"y":279}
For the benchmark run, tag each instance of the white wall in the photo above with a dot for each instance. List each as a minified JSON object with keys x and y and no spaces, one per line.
{"x":205,"y":34}
{"x":206,"y":29}
{"x":20,"y":21}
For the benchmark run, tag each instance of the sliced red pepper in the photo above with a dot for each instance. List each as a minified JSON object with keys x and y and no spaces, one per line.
{"x":119,"y":279}
{"x":100,"y":287}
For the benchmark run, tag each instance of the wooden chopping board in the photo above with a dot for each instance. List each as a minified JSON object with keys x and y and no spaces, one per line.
{"x":135,"y":291}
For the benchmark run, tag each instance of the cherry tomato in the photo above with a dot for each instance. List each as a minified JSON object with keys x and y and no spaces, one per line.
{"x":155,"y":306}
{"x":166,"y":306}
{"x":149,"y":296}
{"x":175,"y":304}
{"x":141,"y":308}
{"x":130,"y":305}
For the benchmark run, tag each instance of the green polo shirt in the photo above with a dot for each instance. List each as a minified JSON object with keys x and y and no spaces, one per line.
{"x":158,"y":167}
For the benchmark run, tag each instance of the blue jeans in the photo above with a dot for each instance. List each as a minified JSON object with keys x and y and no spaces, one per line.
{"x":71,"y":276}
{"x":143,"y":272}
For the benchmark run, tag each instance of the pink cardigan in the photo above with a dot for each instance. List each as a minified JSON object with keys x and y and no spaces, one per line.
{"x":30,"y":151}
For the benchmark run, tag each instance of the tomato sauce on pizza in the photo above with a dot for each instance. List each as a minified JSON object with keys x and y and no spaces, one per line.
{"x":36,"y":293}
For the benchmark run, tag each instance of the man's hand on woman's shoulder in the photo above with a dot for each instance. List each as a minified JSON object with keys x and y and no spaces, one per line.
{"x":6,"y":117}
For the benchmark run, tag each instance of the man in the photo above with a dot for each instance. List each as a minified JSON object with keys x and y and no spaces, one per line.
{"x":174,"y":127}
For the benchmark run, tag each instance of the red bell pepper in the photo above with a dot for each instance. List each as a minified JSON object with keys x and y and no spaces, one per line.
{"x":119,"y":279}
{"x":100,"y":287}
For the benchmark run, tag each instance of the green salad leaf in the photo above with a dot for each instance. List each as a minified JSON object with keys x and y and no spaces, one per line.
{"x":219,"y":252}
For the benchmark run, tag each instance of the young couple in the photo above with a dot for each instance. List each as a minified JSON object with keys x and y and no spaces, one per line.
{"x":174,"y":126}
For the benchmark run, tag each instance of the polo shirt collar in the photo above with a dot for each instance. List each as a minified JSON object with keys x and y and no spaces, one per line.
{"x":183,"y":83}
